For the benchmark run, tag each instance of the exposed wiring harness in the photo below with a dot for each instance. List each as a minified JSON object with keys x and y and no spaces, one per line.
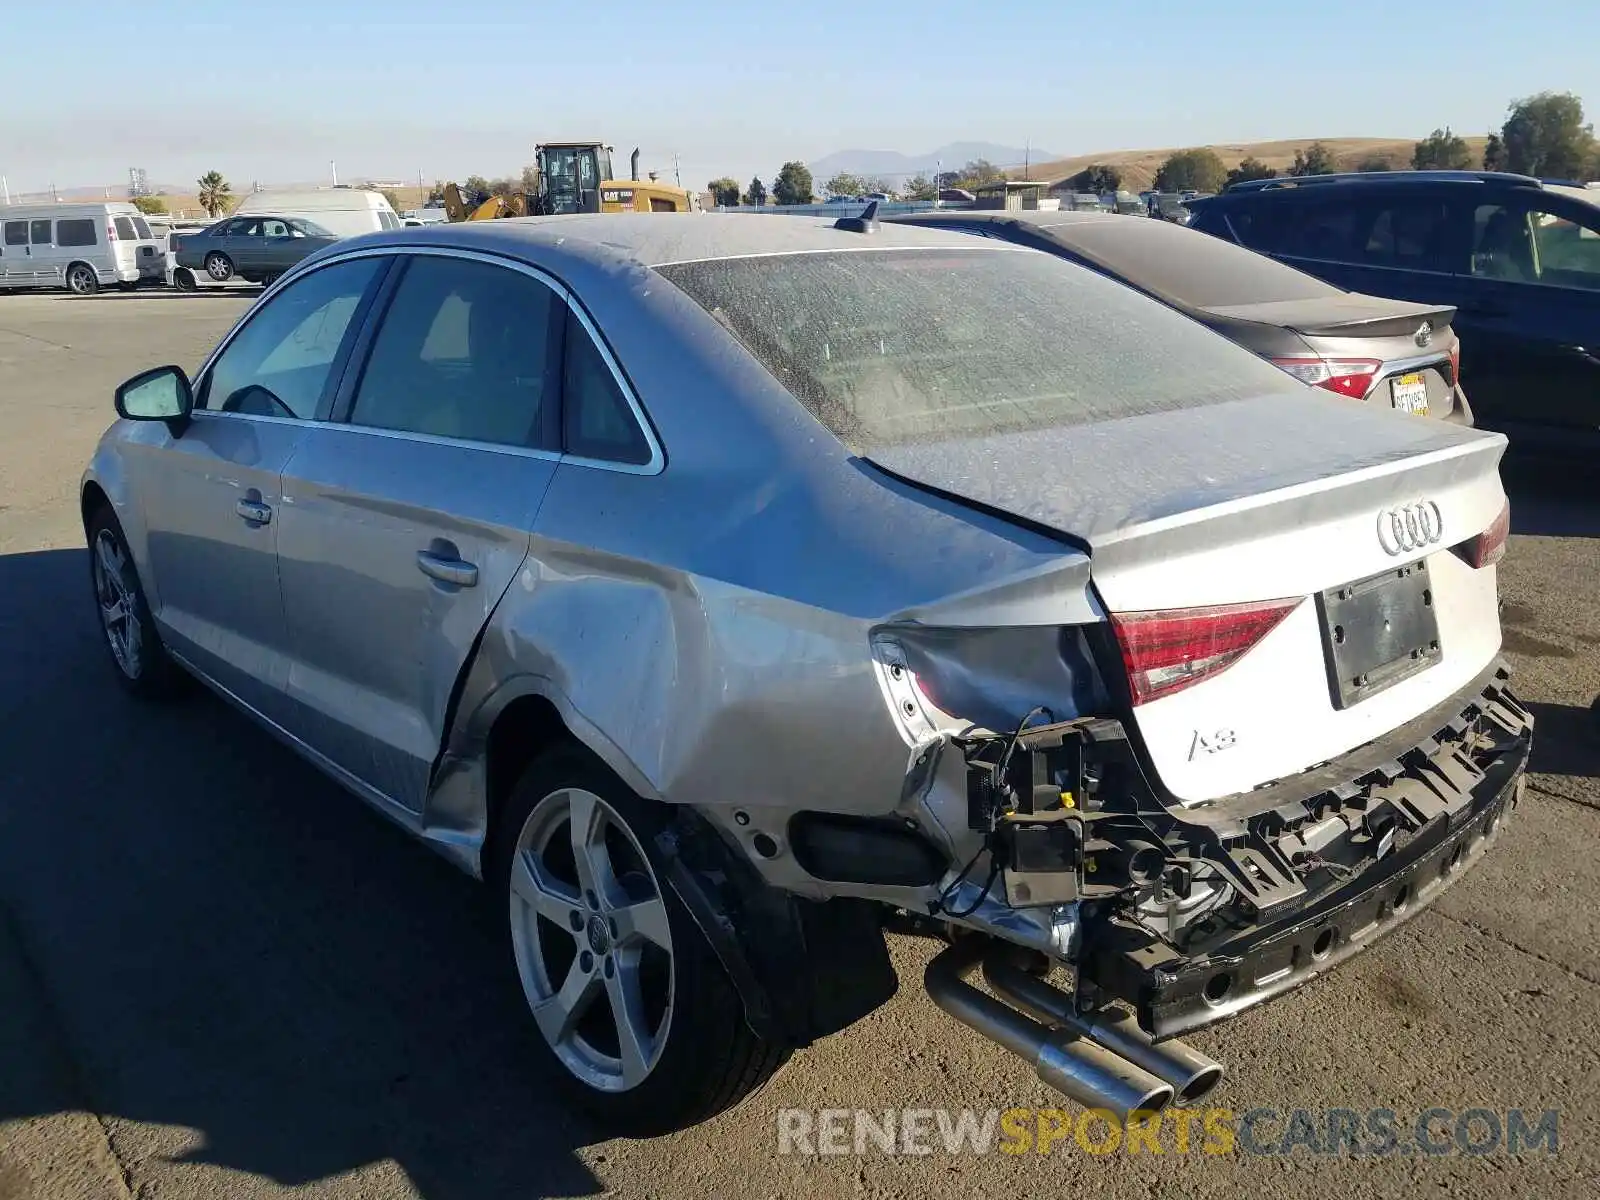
{"x":989,"y":845}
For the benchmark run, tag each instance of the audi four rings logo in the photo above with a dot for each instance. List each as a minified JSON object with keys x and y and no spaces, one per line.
{"x":1410,"y":527}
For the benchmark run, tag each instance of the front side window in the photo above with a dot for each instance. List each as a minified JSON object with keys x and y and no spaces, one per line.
{"x":125,"y":229}
{"x":77,"y":232}
{"x":1528,"y":243}
{"x":279,"y":364}
{"x":888,"y":347}
{"x":39,"y":232}
{"x":463,"y":352}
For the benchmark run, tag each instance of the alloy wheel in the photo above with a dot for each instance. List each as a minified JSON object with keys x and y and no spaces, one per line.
{"x":82,"y":282}
{"x":593,"y":946}
{"x":119,"y":610}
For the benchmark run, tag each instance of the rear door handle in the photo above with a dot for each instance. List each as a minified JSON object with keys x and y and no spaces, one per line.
{"x":255,"y":511}
{"x":445,"y":569}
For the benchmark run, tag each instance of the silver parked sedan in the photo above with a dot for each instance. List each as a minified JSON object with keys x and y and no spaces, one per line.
{"x":727,"y":590}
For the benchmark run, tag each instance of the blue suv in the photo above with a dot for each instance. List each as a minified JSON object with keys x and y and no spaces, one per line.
{"x":1517,"y":257}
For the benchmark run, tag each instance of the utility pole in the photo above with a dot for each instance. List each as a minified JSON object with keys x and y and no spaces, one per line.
{"x":676,"y":174}
{"x":5,"y":187}
{"x":1027,"y":159}
{"x":333,"y":164}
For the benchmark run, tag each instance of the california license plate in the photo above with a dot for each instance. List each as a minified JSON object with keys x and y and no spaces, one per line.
{"x":1410,"y":394}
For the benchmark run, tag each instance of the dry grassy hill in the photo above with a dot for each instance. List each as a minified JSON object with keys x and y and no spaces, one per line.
{"x":1139,"y":167}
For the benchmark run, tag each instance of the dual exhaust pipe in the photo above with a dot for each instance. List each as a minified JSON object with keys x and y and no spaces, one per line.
{"x":1102,"y":1061}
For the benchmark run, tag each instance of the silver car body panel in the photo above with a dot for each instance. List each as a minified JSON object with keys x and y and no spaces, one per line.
{"x":671,"y":615}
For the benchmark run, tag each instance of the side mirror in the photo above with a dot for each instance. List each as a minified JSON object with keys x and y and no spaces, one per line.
{"x":159,"y":394}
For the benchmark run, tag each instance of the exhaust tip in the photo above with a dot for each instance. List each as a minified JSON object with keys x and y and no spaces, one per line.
{"x":1155,"y":1102}
{"x":1200,"y":1085}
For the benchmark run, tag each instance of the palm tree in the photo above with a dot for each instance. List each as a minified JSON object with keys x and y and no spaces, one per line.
{"x":213,"y":193}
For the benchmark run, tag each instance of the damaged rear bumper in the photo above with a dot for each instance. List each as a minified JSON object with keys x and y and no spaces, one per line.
{"x":1177,"y":992}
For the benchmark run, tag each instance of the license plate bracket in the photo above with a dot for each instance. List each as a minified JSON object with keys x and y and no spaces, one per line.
{"x":1409,"y":394}
{"x":1378,"y":631}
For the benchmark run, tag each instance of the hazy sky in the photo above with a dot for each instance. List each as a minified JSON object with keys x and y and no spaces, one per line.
{"x":272,"y":92}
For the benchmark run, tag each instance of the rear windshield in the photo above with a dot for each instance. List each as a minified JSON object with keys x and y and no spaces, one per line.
{"x":1188,"y":266}
{"x":142,"y":228}
{"x":124,"y":228}
{"x":887,"y":347}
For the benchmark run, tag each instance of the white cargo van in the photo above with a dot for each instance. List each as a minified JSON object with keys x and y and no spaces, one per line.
{"x":79,"y":246}
{"x":345,"y":211}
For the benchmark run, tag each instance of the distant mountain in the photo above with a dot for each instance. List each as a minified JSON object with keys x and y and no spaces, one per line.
{"x":896,"y":166}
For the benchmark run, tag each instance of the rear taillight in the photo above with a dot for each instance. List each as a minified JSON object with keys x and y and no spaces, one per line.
{"x":1455,"y":362}
{"x":1166,"y":650}
{"x":1489,"y":547}
{"x":1350,"y":377}
{"x":176,"y":243}
{"x":111,"y":232}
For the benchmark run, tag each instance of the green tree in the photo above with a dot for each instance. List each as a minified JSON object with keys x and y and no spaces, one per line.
{"x":1192,"y":170}
{"x":980,"y":171}
{"x":1441,"y":150}
{"x":1097,"y":178}
{"x":435,"y":193}
{"x":529,"y":179}
{"x":1546,"y":135}
{"x":1315,"y":159}
{"x":793,"y":184}
{"x":393,"y":197}
{"x":214,"y":197}
{"x":844,"y":184}
{"x":724,"y":191}
{"x":920,"y":187}
{"x":1250,"y":168}
{"x":756,"y":194}
{"x":1369,"y":163}
{"x":150,"y":205}
{"x":1494,"y":153}
{"x":476,"y":185}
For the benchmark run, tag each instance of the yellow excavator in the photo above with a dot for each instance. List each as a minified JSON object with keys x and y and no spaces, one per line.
{"x":573,"y":177}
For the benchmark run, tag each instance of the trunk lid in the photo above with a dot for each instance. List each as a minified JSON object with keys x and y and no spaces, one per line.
{"x":1274,"y":498}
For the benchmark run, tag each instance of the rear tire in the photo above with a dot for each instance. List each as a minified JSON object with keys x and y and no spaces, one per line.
{"x":81,"y":280}
{"x":219,"y":266}
{"x":598,"y":941}
{"x":142,"y":663}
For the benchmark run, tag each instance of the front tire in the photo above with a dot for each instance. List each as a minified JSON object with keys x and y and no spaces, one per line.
{"x":631,"y":1009}
{"x":219,"y":266}
{"x":141,"y":661}
{"x":81,"y":280}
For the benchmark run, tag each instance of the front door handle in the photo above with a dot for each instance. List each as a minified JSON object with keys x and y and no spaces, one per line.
{"x":446,"y":567}
{"x":254,"y":511}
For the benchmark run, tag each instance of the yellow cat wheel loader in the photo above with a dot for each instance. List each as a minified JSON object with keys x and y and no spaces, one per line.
{"x":574,"y":177}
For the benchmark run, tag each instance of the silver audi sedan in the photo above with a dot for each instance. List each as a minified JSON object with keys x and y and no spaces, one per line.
{"x":728,"y":591}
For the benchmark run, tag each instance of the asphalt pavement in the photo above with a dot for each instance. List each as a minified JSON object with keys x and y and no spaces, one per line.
{"x":221,"y":976}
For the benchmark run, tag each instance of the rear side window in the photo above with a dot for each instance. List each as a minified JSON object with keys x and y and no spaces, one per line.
{"x":1323,"y":231}
{"x":77,"y":232}
{"x":597,"y":420}
{"x":463,"y":352}
{"x":16,"y":233}
{"x":887,"y":347}
{"x":39,"y":232}
{"x":1411,"y":233}
{"x":125,"y":229}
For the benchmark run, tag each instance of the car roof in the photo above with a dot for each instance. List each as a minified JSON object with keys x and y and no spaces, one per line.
{"x":1346,"y":179}
{"x":1182,"y":266}
{"x":656,"y":239}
